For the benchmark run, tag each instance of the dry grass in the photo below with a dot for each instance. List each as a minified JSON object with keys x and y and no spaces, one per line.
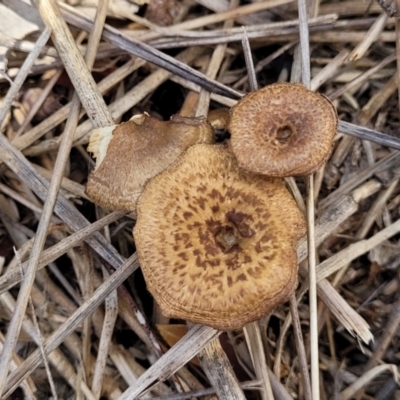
{"x":76,"y":319}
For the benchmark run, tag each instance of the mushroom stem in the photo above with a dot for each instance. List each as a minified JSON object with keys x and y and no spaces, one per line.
{"x":227,"y":238}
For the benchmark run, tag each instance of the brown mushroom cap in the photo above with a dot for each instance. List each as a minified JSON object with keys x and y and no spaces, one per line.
{"x":135,"y":151}
{"x":217,"y":245}
{"x":282,"y":130}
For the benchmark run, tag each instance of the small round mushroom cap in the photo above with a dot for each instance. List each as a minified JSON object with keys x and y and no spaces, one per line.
{"x":216,"y":244}
{"x":283,"y":130}
{"x":130,"y":154}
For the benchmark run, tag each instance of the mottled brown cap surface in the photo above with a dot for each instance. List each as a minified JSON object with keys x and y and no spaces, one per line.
{"x":217,"y":245}
{"x":138,"y":150}
{"x":283,"y":130}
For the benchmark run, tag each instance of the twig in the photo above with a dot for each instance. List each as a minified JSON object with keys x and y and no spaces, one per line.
{"x":301,"y":353}
{"x":256,"y":350}
{"x":59,"y":335}
{"x":98,"y":111}
{"x":388,"y":8}
{"x":182,"y":352}
{"x":74,"y":63}
{"x":38,"y":103}
{"x":111,"y":314}
{"x":12,"y":334}
{"x":39,"y":336}
{"x":306,"y":80}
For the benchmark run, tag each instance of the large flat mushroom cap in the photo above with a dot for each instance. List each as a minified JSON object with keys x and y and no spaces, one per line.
{"x":135,"y":151}
{"x":217,"y":245}
{"x":282,"y":130}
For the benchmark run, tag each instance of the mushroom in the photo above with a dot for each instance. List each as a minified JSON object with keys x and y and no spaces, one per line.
{"x":282,"y":130}
{"x":130,"y":154}
{"x":219,"y":118}
{"x":216,"y":244}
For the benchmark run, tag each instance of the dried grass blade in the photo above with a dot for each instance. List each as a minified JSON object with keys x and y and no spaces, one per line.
{"x":367,"y":378}
{"x":365,"y":133}
{"x":13,"y":276}
{"x":59,"y":335}
{"x":74,"y":63}
{"x":150,"y":54}
{"x":310,"y":206}
{"x":11,"y":337}
{"x":256,"y":350}
{"x":172,"y":360}
{"x":111,"y":314}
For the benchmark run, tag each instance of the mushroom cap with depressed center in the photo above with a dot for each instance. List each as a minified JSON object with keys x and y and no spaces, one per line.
{"x":216,"y":244}
{"x":130,"y":154}
{"x":282,"y":130}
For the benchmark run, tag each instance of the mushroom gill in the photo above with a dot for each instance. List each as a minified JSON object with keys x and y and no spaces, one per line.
{"x":217,"y":245}
{"x":135,"y":151}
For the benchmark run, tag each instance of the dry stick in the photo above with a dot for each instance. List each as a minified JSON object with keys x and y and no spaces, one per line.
{"x":337,"y":261}
{"x":386,"y":338}
{"x":329,"y":70}
{"x":371,"y":37}
{"x":73,"y":187}
{"x":23,"y":72}
{"x":252,"y":330}
{"x":39,"y":336}
{"x":226,"y":101}
{"x":93,"y":42}
{"x":111,"y":314}
{"x":10,"y":341}
{"x":327,"y":223}
{"x":19,"y":198}
{"x":63,"y":208}
{"x":25,"y":46}
{"x":250,"y":385}
{"x":259,"y":67}
{"x":385,"y":163}
{"x":219,"y":371}
{"x":256,"y":349}
{"x":74,"y":64}
{"x":86,"y":284}
{"x":218,"y":17}
{"x":298,"y":337}
{"x":13,"y":276}
{"x":368,"y":222}
{"x":373,"y":105}
{"x":394,"y":319}
{"x":28,"y":386}
{"x":57,"y":358}
{"x":364,"y":133}
{"x":362,"y":77}
{"x":150,"y":54}
{"x":38,"y":103}
{"x":251,"y":73}
{"x":398,"y":49}
{"x":351,"y":391}
{"x":322,"y":76}
{"x":275,"y":28}
{"x":59,"y":116}
{"x":277,"y":35}
{"x":72,"y":322}
{"x":190,"y":345}
{"x":97,"y":110}
{"x":306,"y":79}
